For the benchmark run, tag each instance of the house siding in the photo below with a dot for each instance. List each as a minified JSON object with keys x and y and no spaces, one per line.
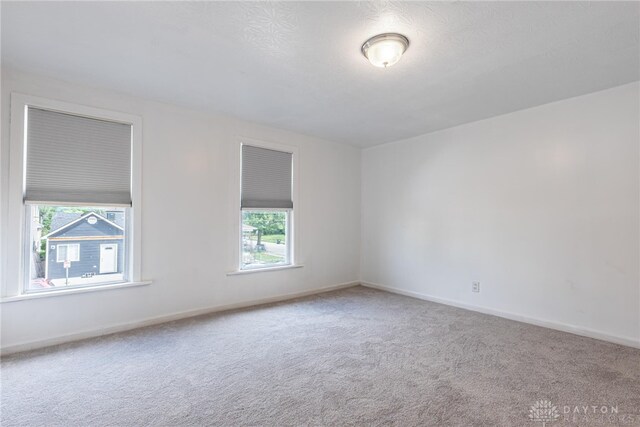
{"x":89,"y":237}
{"x":89,"y":257}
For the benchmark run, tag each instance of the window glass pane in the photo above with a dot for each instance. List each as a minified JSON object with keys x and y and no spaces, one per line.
{"x":76,"y":246}
{"x":264,"y":238}
{"x":73,"y":253}
{"x":61,"y":253}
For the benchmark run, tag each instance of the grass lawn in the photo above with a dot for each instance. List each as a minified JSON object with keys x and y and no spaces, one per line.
{"x":267,"y":258}
{"x":272,"y":238}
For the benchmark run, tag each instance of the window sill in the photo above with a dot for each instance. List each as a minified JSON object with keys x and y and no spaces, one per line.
{"x":265,"y":269}
{"x":47,"y":294}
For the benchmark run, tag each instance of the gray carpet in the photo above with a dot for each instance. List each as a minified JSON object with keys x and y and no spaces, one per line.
{"x":352,"y":357}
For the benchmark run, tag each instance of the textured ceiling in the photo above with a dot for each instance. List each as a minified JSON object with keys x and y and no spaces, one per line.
{"x":297,"y":65}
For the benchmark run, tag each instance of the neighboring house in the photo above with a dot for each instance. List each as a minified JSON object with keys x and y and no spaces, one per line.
{"x":91,"y":243}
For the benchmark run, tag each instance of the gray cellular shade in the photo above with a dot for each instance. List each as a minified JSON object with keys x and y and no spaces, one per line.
{"x":266,"y":178}
{"x":73,"y":159}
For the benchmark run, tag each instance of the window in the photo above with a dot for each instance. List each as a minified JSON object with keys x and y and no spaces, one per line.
{"x":78,"y":187}
{"x":265,"y":238}
{"x":266,"y":208}
{"x":67,"y":253}
{"x":76,"y":246}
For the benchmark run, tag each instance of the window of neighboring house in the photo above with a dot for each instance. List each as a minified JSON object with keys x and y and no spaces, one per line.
{"x":67,"y":253}
{"x":266,"y":208}
{"x":78,"y":198}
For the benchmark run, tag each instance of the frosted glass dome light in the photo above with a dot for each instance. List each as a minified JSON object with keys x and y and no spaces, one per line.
{"x":384,"y":50}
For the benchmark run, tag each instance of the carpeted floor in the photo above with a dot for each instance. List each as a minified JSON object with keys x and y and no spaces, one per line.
{"x":356,"y":356}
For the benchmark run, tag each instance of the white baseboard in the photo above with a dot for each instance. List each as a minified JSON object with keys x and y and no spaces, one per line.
{"x":577,"y":330}
{"x":122,"y":327}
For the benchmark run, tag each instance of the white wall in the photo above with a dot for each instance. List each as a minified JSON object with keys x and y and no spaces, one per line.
{"x":541,"y":206}
{"x":189,"y":175}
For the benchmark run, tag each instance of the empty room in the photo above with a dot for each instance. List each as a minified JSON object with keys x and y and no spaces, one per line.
{"x":319,"y":213}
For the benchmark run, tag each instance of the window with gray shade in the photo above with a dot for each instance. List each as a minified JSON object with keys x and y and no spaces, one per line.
{"x":266,"y":178}
{"x":74,"y":159}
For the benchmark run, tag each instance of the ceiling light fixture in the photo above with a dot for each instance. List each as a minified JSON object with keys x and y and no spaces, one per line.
{"x":384,"y":50}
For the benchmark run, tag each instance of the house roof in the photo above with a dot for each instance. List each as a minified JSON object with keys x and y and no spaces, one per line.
{"x":78,"y":219}
{"x":118,"y":218}
{"x":61,"y":219}
{"x":248,"y":228}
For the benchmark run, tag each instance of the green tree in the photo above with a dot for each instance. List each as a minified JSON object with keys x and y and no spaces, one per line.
{"x":46,"y":215}
{"x":267,"y":222}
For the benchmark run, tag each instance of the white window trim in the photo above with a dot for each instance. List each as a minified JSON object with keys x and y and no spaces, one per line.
{"x":67,"y":246}
{"x":14,"y":269}
{"x":293,"y":246}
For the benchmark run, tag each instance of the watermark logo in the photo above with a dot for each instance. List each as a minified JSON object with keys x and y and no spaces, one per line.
{"x":543,"y":411}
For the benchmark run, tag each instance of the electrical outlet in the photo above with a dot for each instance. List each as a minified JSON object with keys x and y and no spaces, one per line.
{"x":475,"y":287}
